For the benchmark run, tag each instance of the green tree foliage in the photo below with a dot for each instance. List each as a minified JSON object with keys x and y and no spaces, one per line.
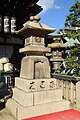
{"x":73,"y":60}
{"x":73,"y":19}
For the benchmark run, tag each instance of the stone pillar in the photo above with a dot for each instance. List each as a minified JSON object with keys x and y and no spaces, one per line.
{"x":78,"y":95}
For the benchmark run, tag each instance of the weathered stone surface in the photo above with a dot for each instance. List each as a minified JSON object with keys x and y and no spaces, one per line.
{"x":25,"y":99}
{"x":46,"y":84}
{"x":35,"y":98}
{"x":25,"y":84}
{"x":5,"y":114}
{"x":47,"y":96}
{"x":32,"y":27}
{"x":43,"y":84}
{"x":34,"y":50}
{"x":35,"y":84}
{"x":33,"y":67}
{"x":32,"y":40}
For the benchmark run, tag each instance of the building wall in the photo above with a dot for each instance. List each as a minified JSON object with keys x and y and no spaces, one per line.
{"x":6,"y":51}
{"x":9,"y":47}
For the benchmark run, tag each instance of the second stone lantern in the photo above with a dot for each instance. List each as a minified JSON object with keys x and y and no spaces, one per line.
{"x":57,"y":48}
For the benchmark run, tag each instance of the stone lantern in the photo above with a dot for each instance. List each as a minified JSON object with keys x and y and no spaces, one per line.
{"x":35,"y":91}
{"x":34,"y":65}
{"x":57,"y":48}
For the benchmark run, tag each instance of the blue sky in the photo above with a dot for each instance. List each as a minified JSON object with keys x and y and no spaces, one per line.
{"x":54,"y":12}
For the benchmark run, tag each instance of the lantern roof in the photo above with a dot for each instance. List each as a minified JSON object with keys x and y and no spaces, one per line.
{"x":34,"y":28}
{"x":57,"y":42}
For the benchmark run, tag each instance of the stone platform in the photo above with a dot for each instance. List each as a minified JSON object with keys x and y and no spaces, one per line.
{"x":21,"y":112}
{"x":36,"y":97}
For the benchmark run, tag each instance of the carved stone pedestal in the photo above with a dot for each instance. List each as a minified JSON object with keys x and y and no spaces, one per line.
{"x":36,"y":97}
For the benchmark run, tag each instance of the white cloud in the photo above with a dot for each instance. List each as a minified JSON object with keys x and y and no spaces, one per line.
{"x":57,"y":7}
{"x":46,"y":4}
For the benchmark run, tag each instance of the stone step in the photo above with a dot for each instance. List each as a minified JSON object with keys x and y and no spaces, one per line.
{"x":70,"y":114}
{"x":34,"y":98}
{"x":21,"y":112}
{"x":6,"y":115}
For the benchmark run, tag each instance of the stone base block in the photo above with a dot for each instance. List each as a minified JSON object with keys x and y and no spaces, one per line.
{"x":21,"y":112}
{"x":47,"y":96}
{"x":34,"y":98}
{"x":25,"y":99}
{"x":36,"y":84}
{"x":25,"y":84}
